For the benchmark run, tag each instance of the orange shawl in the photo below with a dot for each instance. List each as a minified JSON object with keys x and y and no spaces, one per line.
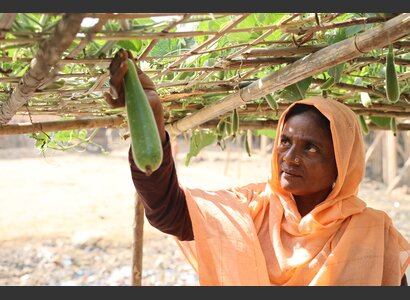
{"x":254,"y":235}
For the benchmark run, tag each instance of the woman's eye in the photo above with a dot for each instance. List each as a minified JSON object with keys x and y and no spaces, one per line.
{"x":311,"y":148}
{"x":284,"y":141}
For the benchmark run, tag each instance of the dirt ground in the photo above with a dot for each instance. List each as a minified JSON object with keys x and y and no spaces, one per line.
{"x":66,"y":218}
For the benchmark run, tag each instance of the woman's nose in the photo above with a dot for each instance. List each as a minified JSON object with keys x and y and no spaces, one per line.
{"x":291,"y":156}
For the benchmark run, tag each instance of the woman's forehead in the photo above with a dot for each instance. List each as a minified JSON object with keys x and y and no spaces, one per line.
{"x":308,"y":124}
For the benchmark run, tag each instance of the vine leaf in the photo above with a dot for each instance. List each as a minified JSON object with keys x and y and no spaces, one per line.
{"x":380,"y":121}
{"x":199,"y":140}
{"x":297,"y":90}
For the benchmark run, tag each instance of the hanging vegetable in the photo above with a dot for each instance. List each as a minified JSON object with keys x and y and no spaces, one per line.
{"x":145,"y":139}
{"x":393,"y":125}
{"x":363,"y":125}
{"x":235,"y":122}
{"x":392,"y":83}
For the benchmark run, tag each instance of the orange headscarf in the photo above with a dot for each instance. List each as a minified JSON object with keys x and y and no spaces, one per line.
{"x":254,"y":235}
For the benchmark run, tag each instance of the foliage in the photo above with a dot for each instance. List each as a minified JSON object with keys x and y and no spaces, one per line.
{"x":202,"y":68}
{"x":65,"y":140}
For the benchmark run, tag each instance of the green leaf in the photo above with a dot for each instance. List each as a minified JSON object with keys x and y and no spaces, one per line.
{"x":336,"y":35}
{"x":132,"y":45}
{"x":165,"y":47}
{"x":336,"y":71}
{"x":297,"y":90}
{"x":199,"y":140}
{"x":355,"y":29}
{"x":328,"y":83}
{"x":380,"y":121}
{"x":363,"y":125}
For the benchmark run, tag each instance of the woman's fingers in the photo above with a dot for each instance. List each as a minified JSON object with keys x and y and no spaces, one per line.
{"x":119,"y":57}
{"x":118,"y":68}
{"x":117,"y":78}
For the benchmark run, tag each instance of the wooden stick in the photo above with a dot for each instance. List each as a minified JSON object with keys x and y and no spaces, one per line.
{"x":121,"y":122}
{"x":322,"y":27}
{"x":138,"y":242}
{"x":103,"y":122}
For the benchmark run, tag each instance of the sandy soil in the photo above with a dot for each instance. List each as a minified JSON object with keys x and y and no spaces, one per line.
{"x":66,"y":218}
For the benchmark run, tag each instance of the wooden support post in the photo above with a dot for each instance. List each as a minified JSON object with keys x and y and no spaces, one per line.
{"x":137,"y":245}
{"x":374,"y":156}
{"x":373,"y":146}
{"x":264,"y":145}
{"x":389,"y":157}
{"x":228,"y":158}
{"x":249,"y":136}
{"x":398,"y":178}
{"x":239,"y":149}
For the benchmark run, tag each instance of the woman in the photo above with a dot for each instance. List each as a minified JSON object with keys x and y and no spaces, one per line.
{"x":304,"y":226}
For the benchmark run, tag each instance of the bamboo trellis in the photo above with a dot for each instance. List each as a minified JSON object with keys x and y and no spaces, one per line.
{"x":296,"y":46}
{"x":55,"y":65}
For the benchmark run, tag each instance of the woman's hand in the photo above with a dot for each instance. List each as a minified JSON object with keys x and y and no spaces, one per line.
{"x":116,"y":97}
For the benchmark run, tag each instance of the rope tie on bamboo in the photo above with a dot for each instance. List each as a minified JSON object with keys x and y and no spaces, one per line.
{"x":355,"y":45}
{"x":239,"y":92}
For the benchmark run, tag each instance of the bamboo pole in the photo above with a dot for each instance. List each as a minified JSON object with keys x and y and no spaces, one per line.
{"x":149,"y":15}
{"x":138,"y":35}
{"x":250,"y":62}
{"x":230,"y":65}
{"x":380,"y":36}
{"x":327,"y":26}
{"x":282,"y":51}
{"x":114,"y":121}
{"x":271,"y":124}
{"x":121,"y":122}
{"x":138,"y":243}
{"x":288,"y":51}
{"x":47,"y":57}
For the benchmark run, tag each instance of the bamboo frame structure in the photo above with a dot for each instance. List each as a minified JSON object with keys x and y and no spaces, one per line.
{"x":47,"y":58}
{"x":321,"y":60}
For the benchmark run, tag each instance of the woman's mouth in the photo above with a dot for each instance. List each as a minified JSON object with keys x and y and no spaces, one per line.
{"x":291,"y":172}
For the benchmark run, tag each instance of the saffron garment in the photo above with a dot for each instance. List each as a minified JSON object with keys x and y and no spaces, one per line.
{"x":254,"y":235}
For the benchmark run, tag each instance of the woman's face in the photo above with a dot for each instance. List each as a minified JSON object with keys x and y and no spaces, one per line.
{"x":306,"y":159}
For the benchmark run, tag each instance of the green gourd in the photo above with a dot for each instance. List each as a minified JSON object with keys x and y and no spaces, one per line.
{"x":363,"y":124}
{"x":145,"y":140}
{"x":393,"y":125}
{"x":235,"y":121}
{"x":392,"y":83}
